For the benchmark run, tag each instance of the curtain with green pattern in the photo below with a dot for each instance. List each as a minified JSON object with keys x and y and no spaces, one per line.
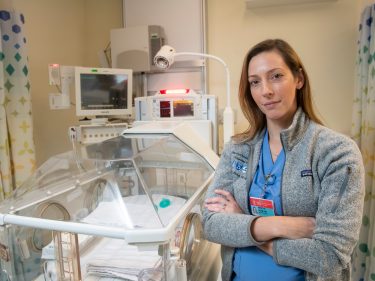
{"x":363,"y":132}
{"x":17,"y":153}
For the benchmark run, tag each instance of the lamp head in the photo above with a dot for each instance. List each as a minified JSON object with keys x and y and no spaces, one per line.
{"x":165,"y":57}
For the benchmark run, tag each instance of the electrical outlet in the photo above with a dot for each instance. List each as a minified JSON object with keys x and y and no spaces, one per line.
{"x":74,"y":134}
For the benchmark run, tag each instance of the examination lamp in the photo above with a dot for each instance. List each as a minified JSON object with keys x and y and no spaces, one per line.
{"x":165,"y":58}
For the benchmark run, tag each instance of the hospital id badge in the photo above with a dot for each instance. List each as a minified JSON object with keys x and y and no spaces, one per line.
{"x":262,"y":207}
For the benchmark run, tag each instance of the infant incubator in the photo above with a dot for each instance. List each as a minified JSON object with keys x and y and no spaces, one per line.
{"x":127,"y":208}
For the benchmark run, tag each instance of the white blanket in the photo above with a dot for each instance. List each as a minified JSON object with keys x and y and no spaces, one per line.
{"x":137,"y":212}
{"x":113,"y":258}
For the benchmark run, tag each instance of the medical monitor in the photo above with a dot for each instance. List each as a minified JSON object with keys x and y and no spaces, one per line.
{"x":103,"y":91}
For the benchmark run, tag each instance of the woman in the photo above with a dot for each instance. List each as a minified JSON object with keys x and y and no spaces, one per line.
{"x":287,"y":197}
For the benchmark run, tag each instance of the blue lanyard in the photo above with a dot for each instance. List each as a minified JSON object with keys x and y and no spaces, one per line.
{"x":269,"y":171}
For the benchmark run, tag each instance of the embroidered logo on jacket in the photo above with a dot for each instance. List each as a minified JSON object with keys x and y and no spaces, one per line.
{"x":239,"y":166}
{"x":306,"y":173}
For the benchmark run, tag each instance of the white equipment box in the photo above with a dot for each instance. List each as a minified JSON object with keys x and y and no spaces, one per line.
{"x":93,"y":133}
{"x":180,"y":105}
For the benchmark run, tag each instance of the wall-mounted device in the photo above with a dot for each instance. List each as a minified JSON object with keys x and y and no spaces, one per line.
{"x":135,"y":47}
{"x":176,"y":104}
{"x":62,"y":77}
{"x":165,"y":58}
{"x":180,"y":105}
{"x":103,"y":91}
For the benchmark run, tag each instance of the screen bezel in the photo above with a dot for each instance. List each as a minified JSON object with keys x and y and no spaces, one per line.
{"x":103,"y":112}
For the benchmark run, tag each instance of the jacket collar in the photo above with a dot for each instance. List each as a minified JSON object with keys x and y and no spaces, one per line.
{"x":292,"y":135}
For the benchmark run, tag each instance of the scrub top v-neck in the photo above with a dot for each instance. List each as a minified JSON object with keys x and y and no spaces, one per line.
{"x":251,"y":263}
{"x":267,"y":180}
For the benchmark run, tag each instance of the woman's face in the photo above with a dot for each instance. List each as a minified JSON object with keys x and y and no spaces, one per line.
{"x":273,"y":87}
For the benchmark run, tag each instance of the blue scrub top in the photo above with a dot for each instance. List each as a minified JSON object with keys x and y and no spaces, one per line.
{"x":251,"y":263}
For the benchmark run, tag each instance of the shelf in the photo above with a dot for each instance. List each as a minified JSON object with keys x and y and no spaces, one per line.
{"x":268,"y":3}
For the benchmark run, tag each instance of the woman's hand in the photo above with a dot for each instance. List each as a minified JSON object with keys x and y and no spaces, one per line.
{"x":267,"y":247}
{"x":284,"y":227}
{"x":267,"y":228}
{"x":223,"y":204}
{"x":296,"y":227}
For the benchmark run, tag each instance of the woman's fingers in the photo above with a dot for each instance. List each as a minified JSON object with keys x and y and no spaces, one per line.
{"x":215,"y":207}
{"x":227,"y":195}
{"x":214,"y":200}
{"x":216,"y":204}
{"x":223,"y":203}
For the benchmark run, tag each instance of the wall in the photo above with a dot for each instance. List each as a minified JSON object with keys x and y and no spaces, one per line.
{"x":101,"y":17}
{"x":366,"y":2}
{"x":68,"y":32}
{"x":324,"y":35}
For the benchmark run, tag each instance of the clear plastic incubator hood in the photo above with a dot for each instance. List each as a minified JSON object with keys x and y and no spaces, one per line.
{"x":128,"y":208}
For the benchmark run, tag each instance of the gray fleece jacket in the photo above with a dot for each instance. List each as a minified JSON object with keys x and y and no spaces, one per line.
{"x":323,"y":177}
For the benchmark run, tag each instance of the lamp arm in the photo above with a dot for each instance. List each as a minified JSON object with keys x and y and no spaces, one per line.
{"x":217,"y":59}
{"x":228,"y":114}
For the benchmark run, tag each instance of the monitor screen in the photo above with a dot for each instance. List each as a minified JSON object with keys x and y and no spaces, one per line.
{"x":103,"y":91}
{"x":183,"y":108}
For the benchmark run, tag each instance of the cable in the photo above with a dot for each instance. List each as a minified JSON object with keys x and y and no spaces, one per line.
{"x":58,"y":88}
{"x":107,"y":53}
{"x":40,"y":212}
{"x":76,"y":155}
{"x":95,"y":194}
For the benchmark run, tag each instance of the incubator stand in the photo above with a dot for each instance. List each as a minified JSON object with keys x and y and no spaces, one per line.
{"x":128,"y":208}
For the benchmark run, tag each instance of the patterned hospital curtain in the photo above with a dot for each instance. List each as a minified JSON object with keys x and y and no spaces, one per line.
{"x":17,"y":153}
{"x":363,"y":132}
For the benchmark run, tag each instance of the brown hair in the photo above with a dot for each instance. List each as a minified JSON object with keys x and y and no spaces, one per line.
{"x":256,"y":118}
